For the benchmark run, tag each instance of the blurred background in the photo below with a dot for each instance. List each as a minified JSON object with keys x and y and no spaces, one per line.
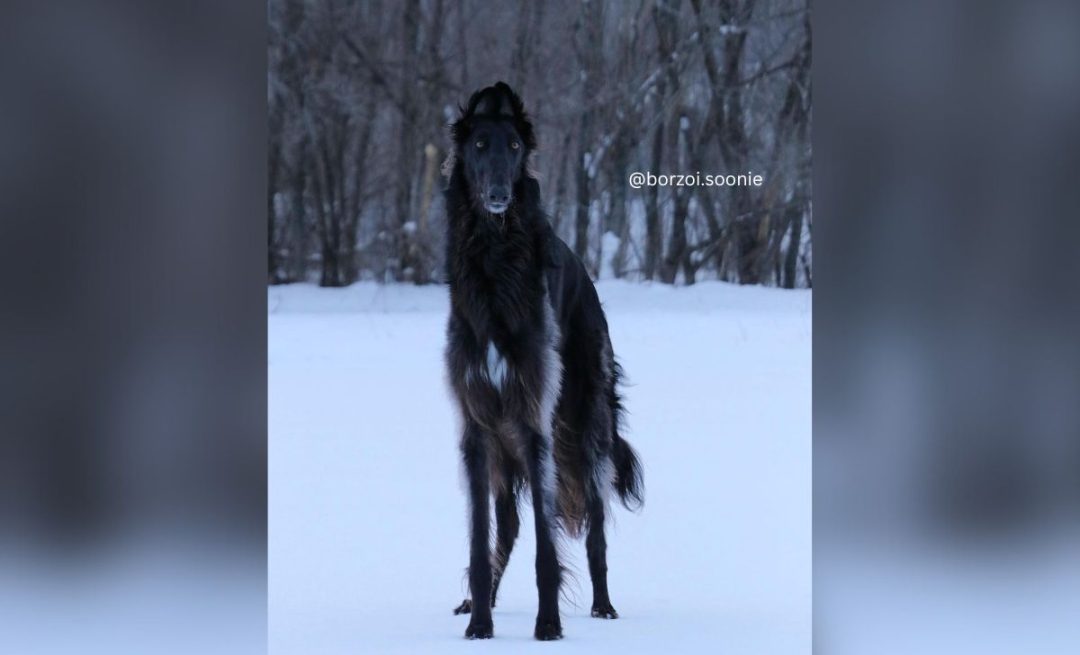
{"x":361,"y":93}
{"x":132,"y":328}
{"x":946,"y":315}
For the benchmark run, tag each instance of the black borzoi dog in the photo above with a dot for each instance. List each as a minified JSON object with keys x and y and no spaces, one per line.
{"x":530,"y":363}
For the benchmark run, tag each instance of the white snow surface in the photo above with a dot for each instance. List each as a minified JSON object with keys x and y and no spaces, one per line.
{"x":368,"y":539}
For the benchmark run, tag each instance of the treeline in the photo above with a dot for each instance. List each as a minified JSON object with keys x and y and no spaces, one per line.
{"x":360,"y":94}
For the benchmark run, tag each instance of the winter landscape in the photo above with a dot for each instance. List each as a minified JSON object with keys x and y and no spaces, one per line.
{"x":368,"y":541}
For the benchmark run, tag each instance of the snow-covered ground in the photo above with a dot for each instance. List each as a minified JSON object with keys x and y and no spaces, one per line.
{"x":367,"y":515}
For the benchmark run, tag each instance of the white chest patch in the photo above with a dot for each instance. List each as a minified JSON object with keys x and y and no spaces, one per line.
{"x":496,"y":365}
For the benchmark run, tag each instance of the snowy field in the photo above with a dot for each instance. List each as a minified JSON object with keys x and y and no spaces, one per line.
{"x":367,"y":514}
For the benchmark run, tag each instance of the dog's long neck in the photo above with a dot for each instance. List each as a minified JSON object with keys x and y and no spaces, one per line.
{"x":501,"y":257}
{"x":477,"y":237}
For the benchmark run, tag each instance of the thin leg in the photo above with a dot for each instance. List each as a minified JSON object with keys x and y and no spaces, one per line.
{"x":474,"y":450}
{"x":596,"y":547}
{"x":507,"y":526}
{"x":548,"y":571}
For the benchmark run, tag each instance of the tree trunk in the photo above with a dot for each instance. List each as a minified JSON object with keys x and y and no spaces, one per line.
{"x":617,"y":222}
{"x":329,"y":276}
{"x":273,"y":264}
{"x":653,"y":236}
{"x":527,"y":13}
{"x":463,"y":40}
{"x":678,"y":254}
{"x":664,"y":19}
{"x":560,"y":187}
{"x":297,"y":219}
{"x":404,"y":250}
{"x":590,"y":58}
{"x":581,"y":204}
{"x":791,"y":259}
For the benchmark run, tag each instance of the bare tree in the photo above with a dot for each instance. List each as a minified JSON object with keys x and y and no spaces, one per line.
{"x":589,"y":47}
{"x":360,"y":95}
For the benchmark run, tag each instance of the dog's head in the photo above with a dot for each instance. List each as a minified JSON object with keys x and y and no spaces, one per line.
{"x":493,"y":139}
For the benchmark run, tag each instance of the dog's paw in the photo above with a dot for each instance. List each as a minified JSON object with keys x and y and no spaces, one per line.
{"x":604,"y":611}
{"x":548,"y":630}
{"x":480,"y":629}
{"x":464,"y":608}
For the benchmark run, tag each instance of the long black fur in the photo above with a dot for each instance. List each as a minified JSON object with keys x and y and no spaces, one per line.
{"x":530,"y":362}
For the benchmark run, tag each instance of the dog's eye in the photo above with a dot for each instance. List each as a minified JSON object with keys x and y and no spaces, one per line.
{"x":479,"y":144}
{"x":515,"y":145}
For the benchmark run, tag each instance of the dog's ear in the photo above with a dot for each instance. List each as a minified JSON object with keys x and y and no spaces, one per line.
{"x":511,"y":106}
{"x":479,"y":103}
{"x":459,"y":129}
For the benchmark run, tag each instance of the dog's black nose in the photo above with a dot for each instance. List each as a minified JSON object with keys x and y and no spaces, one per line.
{"x":499,"y":195}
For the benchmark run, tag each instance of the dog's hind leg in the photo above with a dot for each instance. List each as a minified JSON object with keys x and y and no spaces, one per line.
{"x":596,"y":547}
{"x":474,"y":447}
{"x":599,"y":442}
{"x":507,"y":525}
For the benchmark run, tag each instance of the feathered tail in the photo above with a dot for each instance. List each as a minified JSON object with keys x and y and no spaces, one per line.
{"x":629,"y":483}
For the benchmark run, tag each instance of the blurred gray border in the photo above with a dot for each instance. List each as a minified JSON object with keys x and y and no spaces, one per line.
{"x":946,"y":358}
{"x":133,"y":463}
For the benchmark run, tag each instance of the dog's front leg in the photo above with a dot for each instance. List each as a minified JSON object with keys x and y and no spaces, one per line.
{"x":474,"y":449}
{"x":548,"y":569}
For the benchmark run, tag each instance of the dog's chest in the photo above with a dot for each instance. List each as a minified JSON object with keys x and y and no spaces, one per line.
{"x":495,"y":367}
{"x":500,"y":300}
